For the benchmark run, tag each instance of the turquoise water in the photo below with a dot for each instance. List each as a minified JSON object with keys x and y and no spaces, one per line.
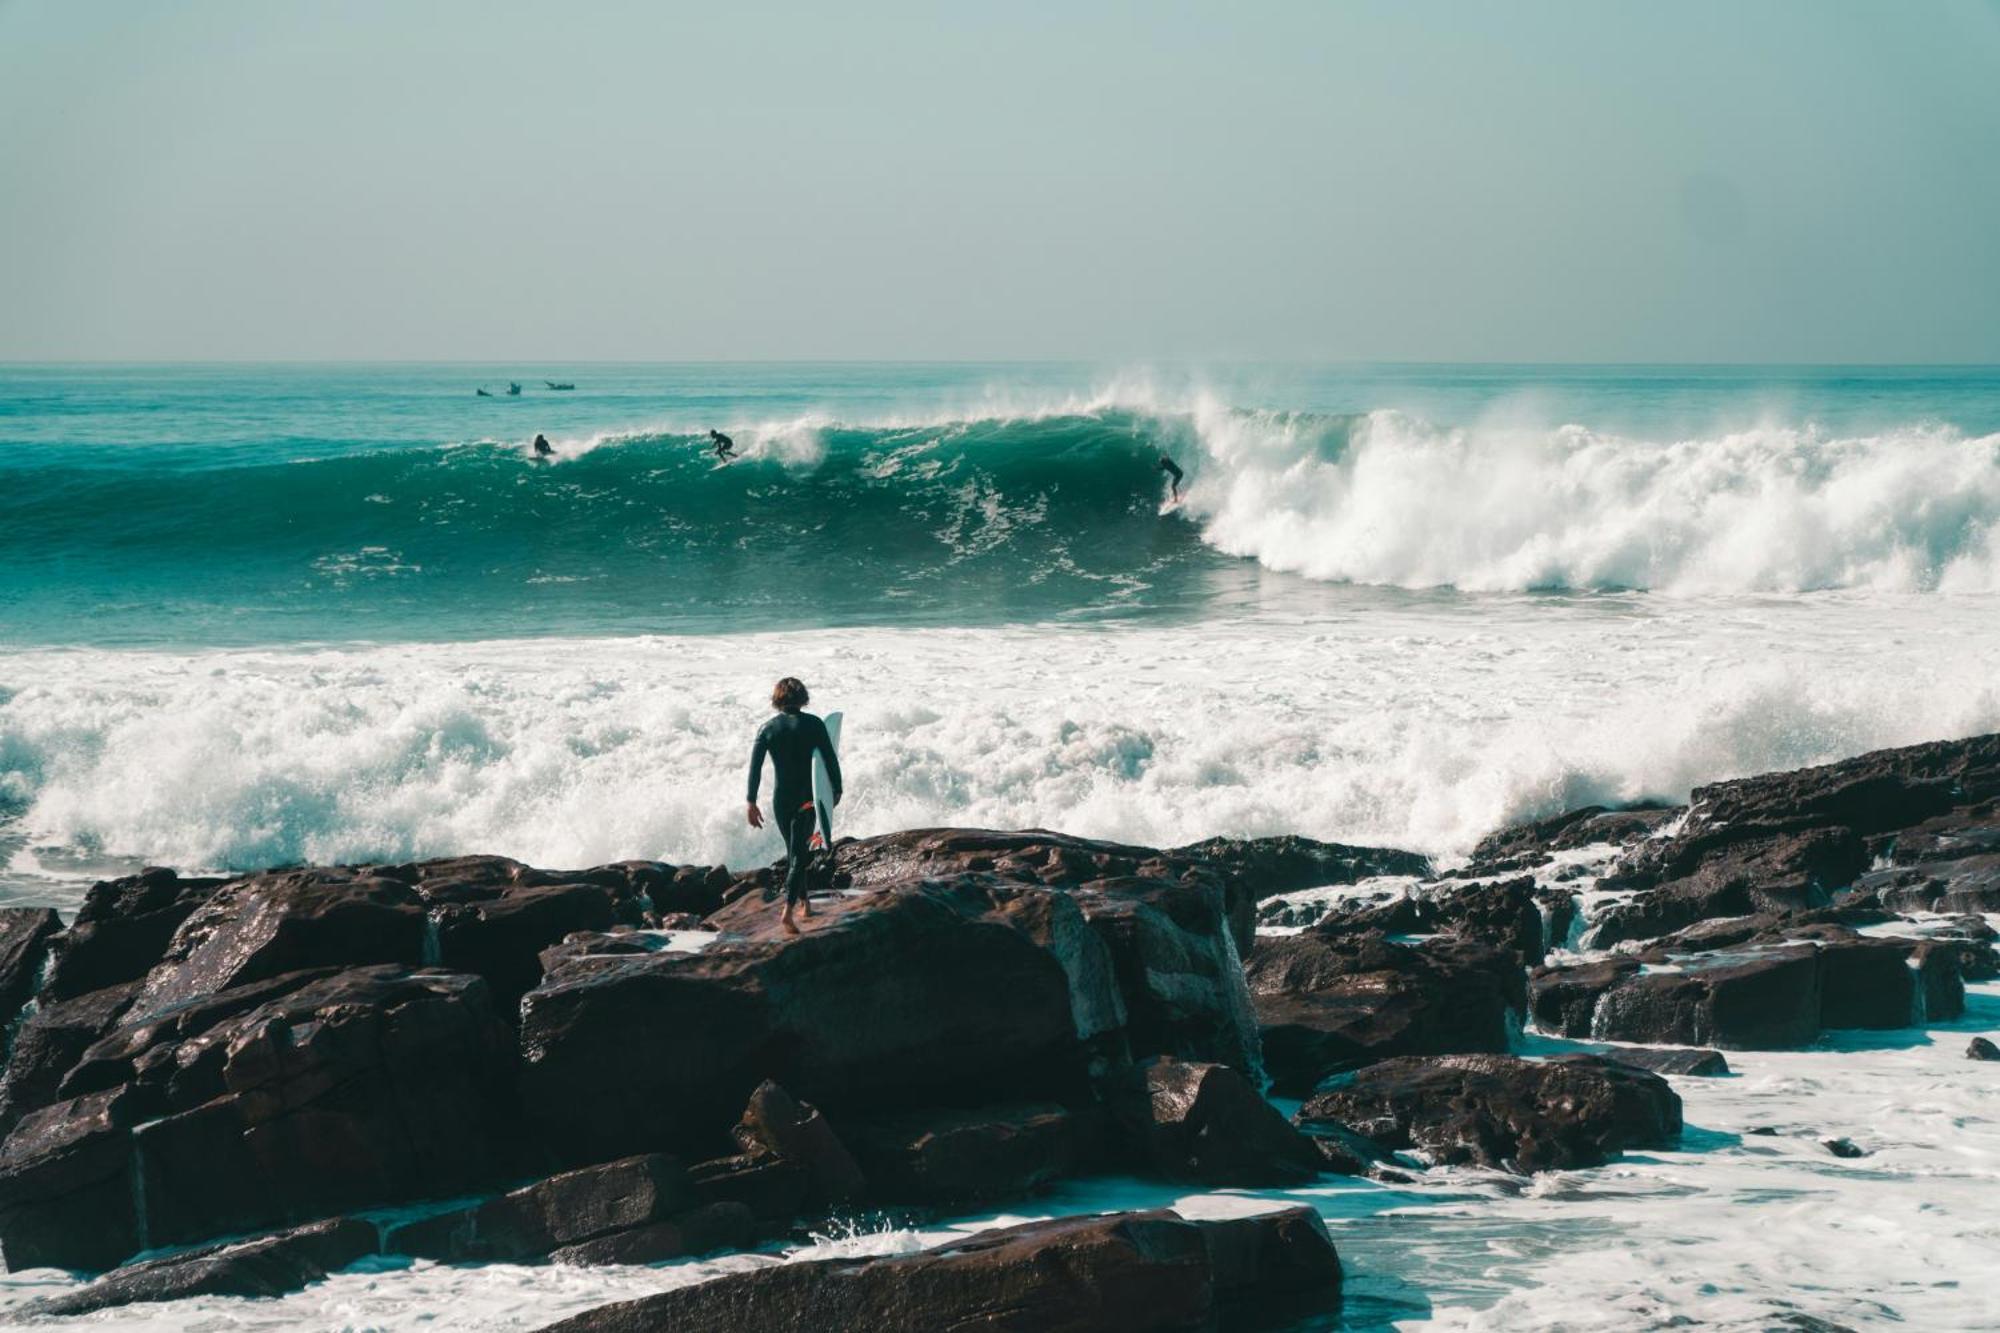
{"x":241,"y":505}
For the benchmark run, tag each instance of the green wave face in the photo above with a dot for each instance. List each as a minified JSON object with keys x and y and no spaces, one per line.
{"x":963,"y":522}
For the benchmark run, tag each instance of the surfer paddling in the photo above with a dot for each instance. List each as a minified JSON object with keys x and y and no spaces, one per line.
{"x":542,"y":446}
{"x":725,"y":448}
{"x":791,"y":739}
{"x":1172,"y":469}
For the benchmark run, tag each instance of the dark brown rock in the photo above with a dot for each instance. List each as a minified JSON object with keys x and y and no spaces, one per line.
{"x":777,"y":1123}
{"x":1202,"y":1122}
{"x":266,"y":1266}
{"x":501,"y":938}
{"x":563,"y":1210}
{"x":1123,"y":1271}
{"x":890,"y":998}
{"x":1503,"y":1111}
{"x":1329,"y":1003}
{"x":1694,"y":1063}
{"x":24,"y":943}
{"x":121,"y":931}
{"x":1982,"y":1049}
{"x":714,"y":1226}
{"x":50,"y":1041}
{"x":773,"y":1189}
{"x":961,"y":1156}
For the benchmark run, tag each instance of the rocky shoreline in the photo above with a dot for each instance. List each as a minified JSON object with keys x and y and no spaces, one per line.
{"x":216,"y":1086}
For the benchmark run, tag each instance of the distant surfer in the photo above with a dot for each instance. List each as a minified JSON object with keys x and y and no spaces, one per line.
{"x":790,"y":739}
{"x":725,"y":448}
{"x":1168,"y":466}
{"x":542,"y":446}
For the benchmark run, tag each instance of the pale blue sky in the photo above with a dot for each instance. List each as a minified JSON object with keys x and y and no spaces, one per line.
{"x":1788,"y":180}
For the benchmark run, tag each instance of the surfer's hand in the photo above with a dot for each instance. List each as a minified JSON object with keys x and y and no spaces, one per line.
{"x":756,"y":816}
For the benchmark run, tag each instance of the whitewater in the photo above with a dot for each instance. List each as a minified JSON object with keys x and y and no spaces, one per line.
{"x":262,"y":615}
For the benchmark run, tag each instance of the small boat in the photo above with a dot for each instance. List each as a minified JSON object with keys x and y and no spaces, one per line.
{"x":559,"y":388}
{"x":482,"y":393}
{"x":513,"y":389}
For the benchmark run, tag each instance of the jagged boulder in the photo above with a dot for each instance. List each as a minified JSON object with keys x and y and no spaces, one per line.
{"x":1128,"y":1271}
{"x":1503,"y":1111}
{"x":121,"y":930}
{"x":957,"y":1155}
{"x":264,"y":1266}
{"x":563,"y":1210}
{"x":24,"y":943}
{"x":1329,"y":1002}
{"x":1203,"y":1122}
{"x":364,"y":1086}
{"x":934,"y":992}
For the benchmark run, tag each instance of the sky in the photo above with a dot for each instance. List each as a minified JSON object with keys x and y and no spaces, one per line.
{"x":1598,"y":181}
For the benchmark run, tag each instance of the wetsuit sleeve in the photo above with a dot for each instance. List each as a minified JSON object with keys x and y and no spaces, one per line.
{"x":832,"y":760}
{"x":757,"y":750}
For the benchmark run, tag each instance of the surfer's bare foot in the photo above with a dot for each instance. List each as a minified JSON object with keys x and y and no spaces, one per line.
{"x":791,"y":927}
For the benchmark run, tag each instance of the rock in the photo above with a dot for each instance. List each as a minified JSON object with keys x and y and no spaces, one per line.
{"x":775,"y":1122}
{"x":287,"y":921}
{"x":1503,"y":1111}
{"x":563,"y":1210}
{"x":266,"y":1266}
{"x":1584,"y":827}
{"x":1843,"y":1148}
{"x":1693,"y":1063}
{"x":121,"y":931}
{"x":24,"y":943}
{"x":50,"y":1041}
{"x":1326,"y":1003}
{"x":1267,"y":867}
{"x":1128,"y":1271}
{"x":1344,"y":1152}
{"x":1505,"y":915}
{"x":1982,"y":1049}
{"x":1177,"y":968}
{"x":1202,"y":1122}
{"x":501,"y":938}
{"x":945,"y":991}
{"x":1786,"y":841}
{"x":1966,"y":884}
{"x":773,"y":1189}
{"x":961,"y":1156}
{"x":1563,"y":1000}
{"x":65,"y":1186}
{"x":363,"y":1087}
{"x":715,"y":1226}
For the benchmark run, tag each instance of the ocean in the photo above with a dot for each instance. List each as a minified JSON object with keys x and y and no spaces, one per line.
{"x":256,"y":615}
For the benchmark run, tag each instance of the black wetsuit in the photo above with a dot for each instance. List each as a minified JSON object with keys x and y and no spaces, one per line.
{"x":725,"y":448}
{"x":1168,"y":466}
{"x":542,"y":446}
{"x":790,"y":739}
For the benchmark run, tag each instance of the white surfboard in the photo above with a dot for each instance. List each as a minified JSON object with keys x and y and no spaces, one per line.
{"x":823,"y":798}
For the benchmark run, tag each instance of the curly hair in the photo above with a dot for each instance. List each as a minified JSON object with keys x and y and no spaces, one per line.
{"x":790,"y":694}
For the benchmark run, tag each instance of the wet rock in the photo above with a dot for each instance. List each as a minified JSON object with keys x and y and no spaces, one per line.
{"x":1344,"y":1152}
{"x":1843,"y":1148}
{"x":1769,"y":999}
{"x":1271,"y":866}
{"x":773,"y":1189}
{"x":1693,"y":1063}
{"x":266,"y":1266}
{"x":1176,"y":966}
{"x":1130,"y":1271}
{"x":775,"y":1122}
{"x":958,"y":1156}
{"x":1330,"y":1002}
{"x":1503,"y":1111}
{"x":1202,"y":1122}
{"x":121,"y":931}
{"x":49,"y":1043}
{"x":711,"y":1227}
{"x":1563,"y":1000}
{"x":1505,"y":915}
{"x":24,"y":943}
{"x":1982,"y":1049}
{"x":1967,"y":884}
{"x":289,"y":921}
{"x":563,"y":1210}
{"x":362,"y":1087}
{"x":65,"y":1185}
{"x":501,"y":938}
{"x":1584,"y":827}
{"x":890,"y":998}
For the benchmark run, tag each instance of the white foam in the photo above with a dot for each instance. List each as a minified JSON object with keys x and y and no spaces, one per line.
{"x":1423,"y":728}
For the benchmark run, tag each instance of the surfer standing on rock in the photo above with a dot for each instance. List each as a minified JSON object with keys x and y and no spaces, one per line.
{"x":791,"y":739}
